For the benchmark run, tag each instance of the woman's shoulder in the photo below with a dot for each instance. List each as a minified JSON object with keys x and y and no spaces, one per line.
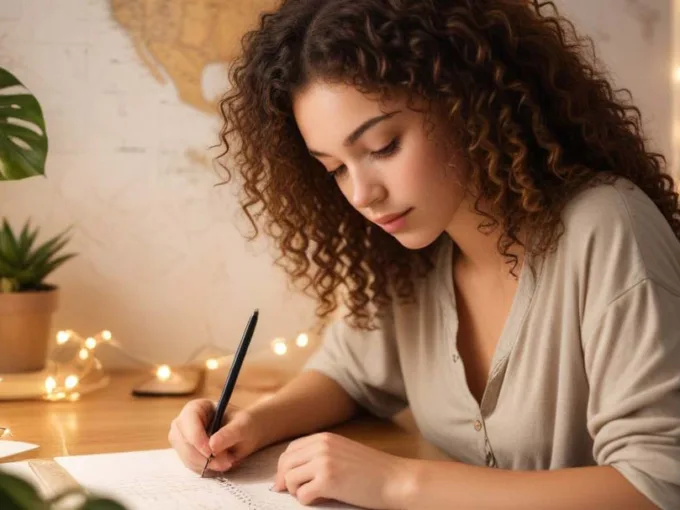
{"x":617,"y":229}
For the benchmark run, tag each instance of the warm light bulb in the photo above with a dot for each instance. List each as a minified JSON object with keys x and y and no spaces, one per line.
{"x":60,"y":395}
{"x":50,"y":384}
{"x":74,"y":396}
{"x":106,"y":335}
{"x":5,"y":432}
{"x":302,"y":340}
{"x":212,"y":364}
{"x":62,"y":337}
{"x":676,"y":74}
{"x":90,"y":343}
{"x":84,"y":354}
{"x":163,"y":372}
{"x":280,"y":347}
{"x":0,"y":379}
{"x":71,"y":382}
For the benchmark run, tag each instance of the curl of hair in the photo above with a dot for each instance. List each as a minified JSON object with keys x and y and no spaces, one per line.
{"x":536,"y":119}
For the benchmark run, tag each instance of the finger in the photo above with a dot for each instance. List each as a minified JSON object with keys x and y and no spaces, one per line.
{"x":191,"y":457}
{"x":230,"y":434}
{"x":304,"y":442}
{"x":222,"y":462}
{"x":289,"y":461}
{"x":298,"y":476}
{"x":312,"y":492}
{"x":192,"y":423}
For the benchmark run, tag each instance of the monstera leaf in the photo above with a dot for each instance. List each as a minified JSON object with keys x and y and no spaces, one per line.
{"x":23,"y":139}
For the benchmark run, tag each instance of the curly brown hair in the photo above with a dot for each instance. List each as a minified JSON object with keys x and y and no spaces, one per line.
{"x":537,"y":119}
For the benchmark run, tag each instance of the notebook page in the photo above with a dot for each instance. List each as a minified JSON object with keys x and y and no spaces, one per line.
{"x":157,"y":479}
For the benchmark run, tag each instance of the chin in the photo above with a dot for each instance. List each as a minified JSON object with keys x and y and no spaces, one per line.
{"x":416,"y":240}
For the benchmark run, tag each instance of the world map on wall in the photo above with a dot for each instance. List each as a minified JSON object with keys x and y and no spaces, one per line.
{"x":182,"y":37}
{"x":179,"y":38}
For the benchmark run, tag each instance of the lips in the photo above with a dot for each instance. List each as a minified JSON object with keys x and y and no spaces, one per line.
{"x":388,"y":218}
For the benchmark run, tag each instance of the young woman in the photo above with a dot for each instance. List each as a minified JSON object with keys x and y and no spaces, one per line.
{"x":461,"y":176}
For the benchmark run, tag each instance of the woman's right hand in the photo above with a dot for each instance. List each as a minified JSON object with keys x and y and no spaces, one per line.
{"x":238,"y":437}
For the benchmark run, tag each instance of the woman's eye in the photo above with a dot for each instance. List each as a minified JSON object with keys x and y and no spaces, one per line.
{"x":338,"y":171}
{"x":388,"y":150}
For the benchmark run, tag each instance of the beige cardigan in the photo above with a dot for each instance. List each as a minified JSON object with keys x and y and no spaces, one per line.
{"x":586,"y":371}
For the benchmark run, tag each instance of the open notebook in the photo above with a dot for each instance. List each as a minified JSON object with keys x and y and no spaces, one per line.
{"x":156,"y":479}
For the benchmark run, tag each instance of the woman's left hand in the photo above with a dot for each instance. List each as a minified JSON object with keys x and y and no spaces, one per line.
{"x":328,"y":466}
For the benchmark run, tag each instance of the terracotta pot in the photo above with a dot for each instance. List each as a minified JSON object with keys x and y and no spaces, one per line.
{"x":25,"y":322}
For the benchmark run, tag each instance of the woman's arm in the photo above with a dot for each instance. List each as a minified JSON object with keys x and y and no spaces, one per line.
{"x":434,"y":485}
{"x":308,"y":403}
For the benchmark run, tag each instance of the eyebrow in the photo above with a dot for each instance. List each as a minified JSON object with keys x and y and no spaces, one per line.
{"x":356,"y":134}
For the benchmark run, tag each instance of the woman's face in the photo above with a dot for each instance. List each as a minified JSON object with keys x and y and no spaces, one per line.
{"x":393,"y":168}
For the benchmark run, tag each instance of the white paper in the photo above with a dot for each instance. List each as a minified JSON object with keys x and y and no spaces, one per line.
{"x":20,"y":469}
{"x":9,"y":448}
{"x":157,"y":479}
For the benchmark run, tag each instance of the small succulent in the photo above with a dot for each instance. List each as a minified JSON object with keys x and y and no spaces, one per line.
{"x":24,"y":267}
{"x":18,"y":494}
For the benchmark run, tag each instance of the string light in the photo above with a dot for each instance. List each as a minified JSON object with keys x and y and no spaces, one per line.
{"x":302,"y":340}
{"x":163,"y":373}
{"x":50,"y":384}
{"x":73,"y":367}
{"x":71,"y":381}
{"x":62,"y":337}
{"x":280,"y":347}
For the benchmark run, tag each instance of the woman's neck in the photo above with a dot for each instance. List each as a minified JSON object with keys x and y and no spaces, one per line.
{"x":477,"y":250}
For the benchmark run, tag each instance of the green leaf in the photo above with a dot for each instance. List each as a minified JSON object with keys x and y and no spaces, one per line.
{"x":17,"y":162}
{"x":41,"y":274}
{"x":101,"y":504}
{"x":27,"y":278}
{"x":27,"y":238}
{"x":7,"y":79}
{"x":45,"y":252}
{"x":25,"y":266}
{"x":7,"y":269}
{"x":18,"y":494}
{"x":8,"y":244}
{"x":8,"y":285}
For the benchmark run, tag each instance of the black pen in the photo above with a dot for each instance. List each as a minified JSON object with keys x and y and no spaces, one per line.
{"x":231,"y":380}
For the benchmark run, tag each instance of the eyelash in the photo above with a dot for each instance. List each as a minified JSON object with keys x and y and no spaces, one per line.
{"x":389,"y":150}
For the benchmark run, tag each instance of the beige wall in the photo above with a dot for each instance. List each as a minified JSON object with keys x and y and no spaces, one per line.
{"x":634,"y":39}
{"x":162,"y":261}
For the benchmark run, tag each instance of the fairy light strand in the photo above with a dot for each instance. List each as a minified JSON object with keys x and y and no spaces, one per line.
{"x":67,"y":379}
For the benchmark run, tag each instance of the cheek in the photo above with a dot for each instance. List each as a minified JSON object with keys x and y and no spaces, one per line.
{"x":425,"y":172}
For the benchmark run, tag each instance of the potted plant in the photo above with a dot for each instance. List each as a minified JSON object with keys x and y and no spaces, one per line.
{"x":26,"y":301}
{"x":18,"y":494}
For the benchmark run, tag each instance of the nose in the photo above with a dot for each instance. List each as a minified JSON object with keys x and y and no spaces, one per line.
{"x":366,"y":190}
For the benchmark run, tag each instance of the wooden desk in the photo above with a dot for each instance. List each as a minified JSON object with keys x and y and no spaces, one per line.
{"x":112,"y":420}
